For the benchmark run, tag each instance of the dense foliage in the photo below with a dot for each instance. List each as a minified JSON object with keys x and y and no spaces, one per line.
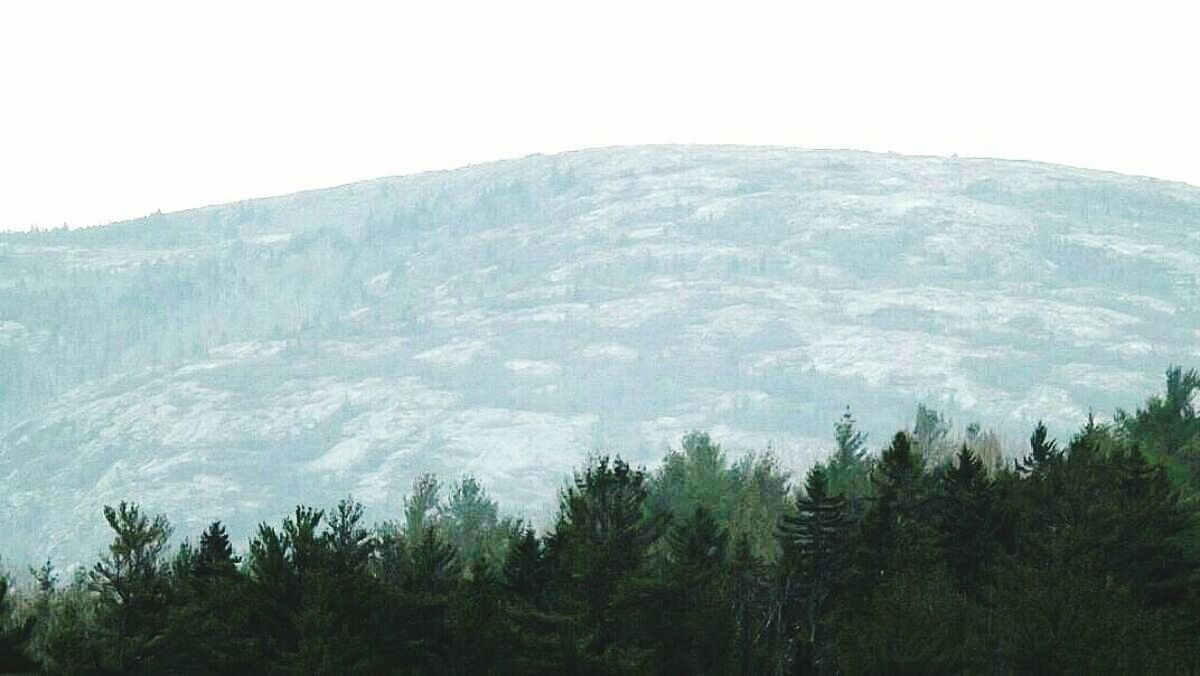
{"x":1071,"y":558}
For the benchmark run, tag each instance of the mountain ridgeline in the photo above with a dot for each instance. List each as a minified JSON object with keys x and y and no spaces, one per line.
{"x":508,"y":319}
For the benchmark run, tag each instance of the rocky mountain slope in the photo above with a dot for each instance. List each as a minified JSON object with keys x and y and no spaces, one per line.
{"x":507,"y":319}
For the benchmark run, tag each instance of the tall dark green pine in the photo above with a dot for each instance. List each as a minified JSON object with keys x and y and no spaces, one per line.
{"x":341,"y":622}
{"x":968,"y":521}
{"x":690,"y":615}
{"x":434,"y":575}
{"x":533,"y":613}
{"x":483,"y":636}
{"x":894,"y":532}
{"x":752,"y":609}
{"x":1042,"y":452}
{"x":132,"y":584}
{"x":435,"y":566}
{"x":524,"y":565}
{"x":209,"y":620}
{"x":272,"y":594}
{"x":900,"y":589}
{"x":14,"y":637}
{"x":599,"y":543}
{"x":814,"y":542}
{"x":314,"y":649}
{"x":1151,"y":527}
{"x":214,"y":556}
{"x":285,"y":575}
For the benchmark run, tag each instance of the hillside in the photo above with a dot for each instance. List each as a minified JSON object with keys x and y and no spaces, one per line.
{"x":506,"y":319}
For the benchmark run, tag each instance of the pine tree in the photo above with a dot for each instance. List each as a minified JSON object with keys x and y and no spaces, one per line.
{"x":214,"y":556}
{"x":1042,"y":452}
{"x":351,"y":545}
{"x":689,"y":607}
{"x":132,"y":586}
{"x":968,"y":521}
{"x":894,"y":530}
{"x":433,"y":574}
{"x":483,"y":635}
{"x":1149,"y":528}
{"x":849,"y":469}
{"x":285,"y":568}
{"x":524,"y":565}
{"x":472,"y":521}
{"x":695,"y":475}
{"x":814,"y":542}
{"x":423,"y":504}
{"x":851,"y":443}
{"x":309,"y":651}
{"x":1168,"y":427}
{"x":14,"y":637}
{"x":599,"y":542}
{"x":747,"y":587}
{"x":435,"y":566}
{"x":208,"y":619}
{"x":341,"y":615}
{"x":533,"y":614}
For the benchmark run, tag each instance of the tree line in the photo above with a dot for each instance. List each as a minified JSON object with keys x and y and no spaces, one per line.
{"x":1071,"y":557}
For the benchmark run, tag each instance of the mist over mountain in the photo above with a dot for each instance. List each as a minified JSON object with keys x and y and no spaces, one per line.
{"x":505,"y":320}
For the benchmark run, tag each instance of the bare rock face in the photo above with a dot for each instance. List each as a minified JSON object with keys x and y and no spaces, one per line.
{"x":505,"y":320}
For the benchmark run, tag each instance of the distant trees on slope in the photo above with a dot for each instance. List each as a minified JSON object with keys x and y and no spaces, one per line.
{"x":1073,"y":558}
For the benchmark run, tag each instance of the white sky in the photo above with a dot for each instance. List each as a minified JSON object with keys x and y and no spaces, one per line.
{"x":112,"y":110}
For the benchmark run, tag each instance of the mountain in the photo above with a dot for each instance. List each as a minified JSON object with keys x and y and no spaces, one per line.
{"x":507,"y":319}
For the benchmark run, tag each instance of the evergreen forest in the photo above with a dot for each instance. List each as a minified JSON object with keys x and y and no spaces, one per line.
{"x":923,"y":553}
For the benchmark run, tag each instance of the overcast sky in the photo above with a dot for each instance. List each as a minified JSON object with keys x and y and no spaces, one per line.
{"x":113,"y":110}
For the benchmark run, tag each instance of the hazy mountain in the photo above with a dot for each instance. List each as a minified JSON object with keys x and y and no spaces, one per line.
{"x":506,"y":319}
